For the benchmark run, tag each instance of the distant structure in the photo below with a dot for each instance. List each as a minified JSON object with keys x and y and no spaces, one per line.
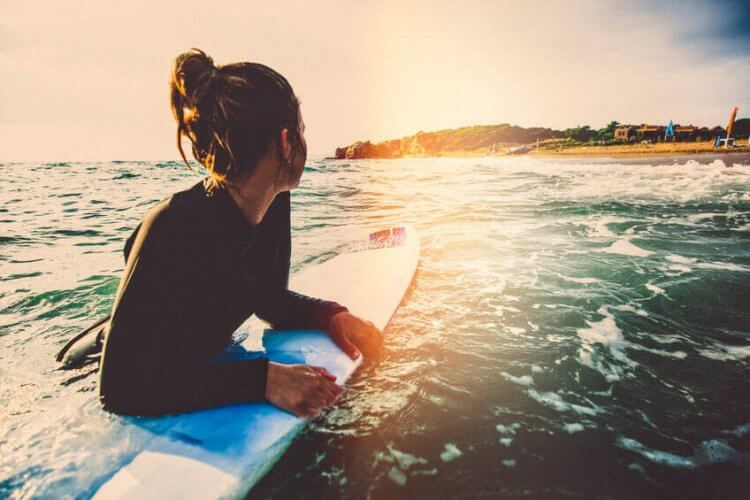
{"x":718,"y":132}
{"x":650,"y":133}
{"x":625,"y":133}
{"x":669,"y":132}
{"x":684,"y":133}
{"x":672,"y":132}
{"x":728,"y":140}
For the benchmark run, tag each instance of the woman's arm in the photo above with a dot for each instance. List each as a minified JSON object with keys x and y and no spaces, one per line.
{"x":275,"y":303}
{"x":288,"y":310}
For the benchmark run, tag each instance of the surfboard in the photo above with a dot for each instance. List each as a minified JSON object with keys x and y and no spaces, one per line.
{"x":223,"y":452}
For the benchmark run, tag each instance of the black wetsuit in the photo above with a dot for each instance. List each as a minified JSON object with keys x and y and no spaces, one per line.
{"x":195,"y":270}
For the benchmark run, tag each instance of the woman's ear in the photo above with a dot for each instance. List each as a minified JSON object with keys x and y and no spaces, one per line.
{"x":286,"y":146}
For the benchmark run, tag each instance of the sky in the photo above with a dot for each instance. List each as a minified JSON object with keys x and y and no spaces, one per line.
{"x":88,"y":80}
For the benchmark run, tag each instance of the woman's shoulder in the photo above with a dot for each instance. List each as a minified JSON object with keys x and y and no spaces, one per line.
{"x":174,"y":206}
{"x":178,"y":214}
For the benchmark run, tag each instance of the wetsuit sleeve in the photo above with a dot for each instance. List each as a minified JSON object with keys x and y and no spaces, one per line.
{"x":286,"y":310}
{"x":163,"y":327}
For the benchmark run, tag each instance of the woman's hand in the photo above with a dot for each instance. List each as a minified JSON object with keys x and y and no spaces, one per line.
{"x":301,"y":389}
{"x":354,"y":335}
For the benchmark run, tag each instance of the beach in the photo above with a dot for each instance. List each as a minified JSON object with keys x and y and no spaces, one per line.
{"x":681,"y":149}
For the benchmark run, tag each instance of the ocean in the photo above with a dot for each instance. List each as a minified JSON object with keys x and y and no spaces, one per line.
{"x":576,"y":328}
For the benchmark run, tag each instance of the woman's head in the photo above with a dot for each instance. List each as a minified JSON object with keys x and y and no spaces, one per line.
{"x":234,"y":115}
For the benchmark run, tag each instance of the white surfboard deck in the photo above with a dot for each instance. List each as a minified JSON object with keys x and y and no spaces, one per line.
{"x":223,"y":452}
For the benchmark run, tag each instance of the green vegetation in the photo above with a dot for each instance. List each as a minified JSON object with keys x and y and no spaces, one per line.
{"x":493,"y":139}
{"x":585,"y":134}
{"x":608,"y":133}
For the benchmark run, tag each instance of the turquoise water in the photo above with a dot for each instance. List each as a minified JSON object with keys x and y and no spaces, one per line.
{"x":574,"y":329}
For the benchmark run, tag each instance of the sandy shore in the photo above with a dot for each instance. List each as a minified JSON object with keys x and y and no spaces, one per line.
{"x":729,"y":159}
{"x":645,"y":150}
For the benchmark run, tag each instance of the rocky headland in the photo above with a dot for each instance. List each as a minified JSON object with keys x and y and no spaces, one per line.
{"x":481,"y":139}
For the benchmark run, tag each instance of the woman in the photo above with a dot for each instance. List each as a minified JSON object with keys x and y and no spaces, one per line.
{"x":205,"y":259}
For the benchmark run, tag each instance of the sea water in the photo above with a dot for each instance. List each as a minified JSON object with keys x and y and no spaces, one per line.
{"x":575,"y":328}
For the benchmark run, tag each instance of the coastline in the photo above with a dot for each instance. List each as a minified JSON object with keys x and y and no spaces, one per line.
{"x":683,"y":149}
{"x":729,"y":158}
{"x":598,"y":154}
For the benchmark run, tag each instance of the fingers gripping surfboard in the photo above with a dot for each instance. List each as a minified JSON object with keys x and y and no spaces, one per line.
{"x":223,"y":452}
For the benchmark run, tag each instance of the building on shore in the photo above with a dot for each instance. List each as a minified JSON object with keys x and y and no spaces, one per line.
{"x":650,"y":133}
{"x":657,"y":133}
{"x":684,"y":133}
{"x":625,"y":133}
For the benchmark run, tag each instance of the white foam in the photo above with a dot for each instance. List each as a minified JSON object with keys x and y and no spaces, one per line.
{"x":397,"y":476}
{"x":715,"y":451}
{"x":739,"y":352}
{"x":701,"y":217}
{"x":625,"y":247}
{"x":678,"y":268}
{"x":573,"y":428}
{"x":604,"y":331}
{"x":642,"y":182}
{"x":679,"y":259}
{"x":585,"y":281}
{"x":405,"y":460}
{"x":507,"y":429}
{"x":631,"y":308}
{"x":607,"y":333}
{"x":665,"y":339}
{"x":721,"y":352}
{"x":500,"y":310}
{"x":557,"y":403}
{"x":659,"y":352}
{"x":450,"y":453}
{"x":653,"y":288}
{"x":657,"y":456}
{"x":724,"y":266}
{"x":522,"y":380}
{"x":708,"y":452}
{"x":740,"y":430}
{"x":598,"y":226}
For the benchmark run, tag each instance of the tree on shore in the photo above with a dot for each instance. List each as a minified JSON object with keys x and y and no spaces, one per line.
{"x":608,"y":133}
{"x":582,"y":133}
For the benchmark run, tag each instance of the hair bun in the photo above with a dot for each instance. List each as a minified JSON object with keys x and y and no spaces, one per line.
{"x":193,"y":73}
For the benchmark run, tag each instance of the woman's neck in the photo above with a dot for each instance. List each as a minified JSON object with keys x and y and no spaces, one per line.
{"x":254,"y":194}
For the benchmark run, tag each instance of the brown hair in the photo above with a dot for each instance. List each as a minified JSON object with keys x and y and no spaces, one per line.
{"x":232,"y":114}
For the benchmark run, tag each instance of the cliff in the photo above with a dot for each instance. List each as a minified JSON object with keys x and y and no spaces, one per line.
{"x":471,"y":140}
